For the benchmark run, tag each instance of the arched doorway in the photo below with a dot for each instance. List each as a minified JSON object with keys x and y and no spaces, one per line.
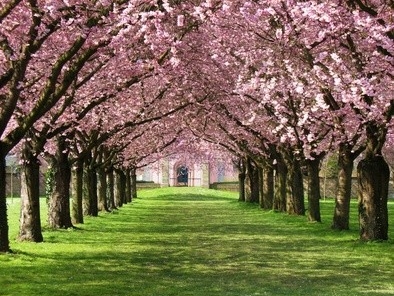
{"x":182,"y":175}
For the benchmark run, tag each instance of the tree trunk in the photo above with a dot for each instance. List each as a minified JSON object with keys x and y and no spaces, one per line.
{"x":314,"y":196}
{"x":295,"y":204}
{"x":59,"y":205}
{"x":268,"y":187}
{"x":91,"y":175}
{"x":30,"y":221}
{"x":122,"y":179}
{"x":128,"y":186}
{"x":344,"y":190}
{"x":261,"y":186}
{"x":119,"y":188}
{"x":373,"y":180}
{"x":255,"y":185}
{"x":85,"y":192}
{"x":77,"y":193}
{"x":133,"y":182}
{"x":280,"y":186}
{"x":241,"y":180}
{"x":4,"y":240}
{"x":90,"y":198}
{"x":110,"y":188}
{"x":373,"y":175}
{"x":251,"y":182}
{"x":248,"y":180}
{"x":102,"y":190}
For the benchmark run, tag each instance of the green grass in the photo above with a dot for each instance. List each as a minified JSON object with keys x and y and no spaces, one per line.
{"x":193,"y":241}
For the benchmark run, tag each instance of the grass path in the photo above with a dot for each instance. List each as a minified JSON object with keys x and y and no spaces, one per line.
{"x":191,"y":241}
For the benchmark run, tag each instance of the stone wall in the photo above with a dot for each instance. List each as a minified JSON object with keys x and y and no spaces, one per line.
{"x":327,"y":186}
{"x":13,"y":184}
{"x":226,"y":186}
{"x":147,"y":185}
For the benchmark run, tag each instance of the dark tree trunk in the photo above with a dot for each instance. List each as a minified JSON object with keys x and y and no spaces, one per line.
{"x":133,"y":182}
{"x":4,"y":240}
{"x":268,"y":187}
{"x":30,"y":221}
{"x":122,"y":177}
{"x":280,"y":186}
{"x":261,"y":186}
{"x":59,"y":205}
{"x":102,"y":190}
{"x":295,"y":204}
{"x":252,"y":189}
{"x":255,"y":185}
{"x":120,"y":186}
{"x":242,"y":180}
{"x":128,"y":186}
{"x":344,"y":190}
{"x":85,"y":192}
{"x":77,"y":193}
{"x":373,"y":176}
{"x":91,"y":178}
{"x":373,"y":179}
{"x":90,"y":198}
{"x":313,"y":166}
{"x":111,"y":188}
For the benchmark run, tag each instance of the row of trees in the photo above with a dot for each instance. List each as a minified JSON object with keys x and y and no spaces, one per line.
{"x":297,"y":80}
{"x":85,"y":84}
{"x":103,"y":85}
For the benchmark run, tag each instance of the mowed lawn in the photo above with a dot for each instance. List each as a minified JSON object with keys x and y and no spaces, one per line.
{"x":193,"y":241}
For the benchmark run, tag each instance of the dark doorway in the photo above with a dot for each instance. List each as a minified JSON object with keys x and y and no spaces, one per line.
{"x":182,"y":173}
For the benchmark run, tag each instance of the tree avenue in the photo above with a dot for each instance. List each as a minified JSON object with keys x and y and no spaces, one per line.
{"x":101,"y":88}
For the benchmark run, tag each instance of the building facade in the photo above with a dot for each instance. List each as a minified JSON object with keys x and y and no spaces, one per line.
{"x":175,"y":171}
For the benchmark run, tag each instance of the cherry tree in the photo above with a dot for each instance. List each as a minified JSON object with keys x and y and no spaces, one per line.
{"x":350,"y":79}
{"x":282,"y":82}
{"x":61,"y":117}
{"x":326,"y":39}
{"x":372,"y":61}
{"x":312,"y":52}
{"x":43,"y":47}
